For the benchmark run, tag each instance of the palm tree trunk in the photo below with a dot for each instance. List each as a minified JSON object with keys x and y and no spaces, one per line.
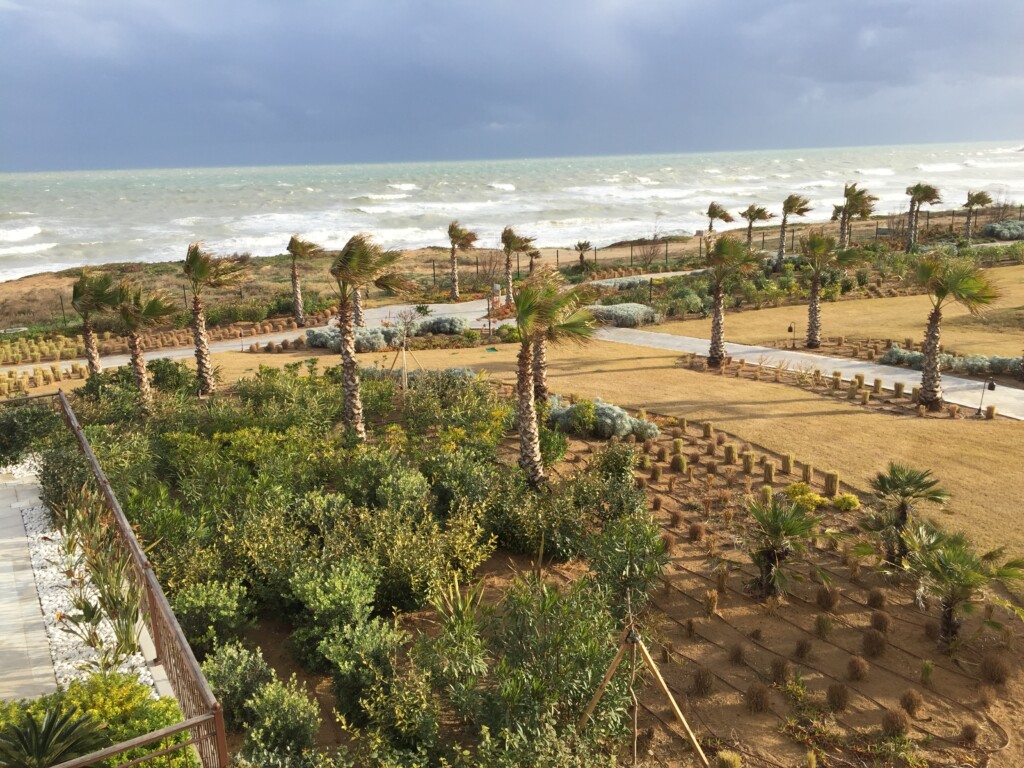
{"x":357,"y":308}
{"x":750,"y":234}
{"x":931,"y":379}
{"x":139,"y":369}
{"x":911,"y":226}
{"x":204,"y":368}
{"x":526,"y":406}
{"x":352,"y":414}
{"x":92,"y":351}
{"x":969,"y":225}
{"x":814,"y":314}
{"x":583,"y":259}
{"x":297,"y":309}
{"x":716,"y":354}
{"x":540,"y":370}
{"x":902,"y":548}
{"x":949,"y":627}
{"x":781,"y":255}
{"x":508,"y":279}
{"x":844,"y":232}
{"x":455,"y":277}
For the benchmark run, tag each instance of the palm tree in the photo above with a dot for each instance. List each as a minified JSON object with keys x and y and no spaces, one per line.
{"x":957,"y":280}
{"x":138,"y":310}
{"x":544,"y":310}
{"x":204,"y":270}
{"x":753,"y":213}
{"x":91,"y":295}
{"x":974,"y":200}
{"x":856,"y":202}
{"x":725,"y":260}
{"x":951,"y":571}
{"x":461,"y":239}
{"x":794,"y":205}
{"x":361,"y":262}
{"x":512,"y":244}
{"x":920,"y":194}
{"x":899,"y":490}
{"x":582,"y":246}
{"x":782,"y":530}
{"x":717,"y":213}
{"x":305,"y":250}
{"x":818,"y":252}
{"x":60,"y":737}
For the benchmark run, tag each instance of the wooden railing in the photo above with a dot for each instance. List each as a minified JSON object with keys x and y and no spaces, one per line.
{"x":201,"y":734}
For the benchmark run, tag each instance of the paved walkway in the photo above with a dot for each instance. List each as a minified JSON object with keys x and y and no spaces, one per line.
{"x":26,"y":669}
{"x":964,"y":392}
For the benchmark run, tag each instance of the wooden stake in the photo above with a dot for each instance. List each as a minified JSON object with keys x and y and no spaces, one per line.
{"x":592,"y":705}
{"x":671,"y":700}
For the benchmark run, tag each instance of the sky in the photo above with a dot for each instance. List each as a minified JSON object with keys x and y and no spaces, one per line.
{"x":95,"y":84}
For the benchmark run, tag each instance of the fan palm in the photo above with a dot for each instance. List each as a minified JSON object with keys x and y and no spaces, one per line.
{"x":138,"y":310}
{"x":511,"y":244}
{"x":717,"y":213}
{"x":754,"y":213}
{"x":91,"y":295}
{"x":461,"y":239}
{"x":60,"y":737}
{"x":581,"y":247}
{"x":948,"y":280}
{"x":974,"y":200}
{"x":818,"y":252}
{"x":857,"y":202}
{"x":951,"y":571}
{"x":781,"y":533}
{"x":544,"y":310}
{"x":920,"y":194}
{"x":360,"y":263}
{"x":899,"y":490}
{"x":794,"y":205}
{"x":305,"y":250}
{"x":724,"y":261}
{"x":204,"y":270}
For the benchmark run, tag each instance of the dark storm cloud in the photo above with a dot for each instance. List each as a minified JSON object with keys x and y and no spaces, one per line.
{"x":122,"y":83}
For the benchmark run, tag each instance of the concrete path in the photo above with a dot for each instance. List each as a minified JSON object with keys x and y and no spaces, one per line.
{"x":26,"y":669}
{"x":964,"y":392}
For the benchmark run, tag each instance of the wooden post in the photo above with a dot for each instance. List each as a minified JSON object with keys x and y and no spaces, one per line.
{"x":671,"y":700}
{"x":631,"y":254}
{"x":517,"y":266}
{"x":700,"y":248}
{"x":666,"y":253}
{"x":762,"y":240}
{"x":876,"y":231}
{"x":433,"y":266}
{"x":595,"y":255}
{"x":478,"y":266}
{"x":556,"y":258}
{"x":596,"y":698}
{"x":792,"y":240}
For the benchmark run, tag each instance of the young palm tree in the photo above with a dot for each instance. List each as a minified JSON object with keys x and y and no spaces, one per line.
{"x":974,"y":200}
{"x":725,"y":260}
{"x":717,"y":213}
{"x":512,"y":244}
{"x":360,"y":263}
{"x":544,"y":310}
{"x":899,"y":490}
{"x":61,"y":736}
{"x":951,"y":571}
{"x":581,"y":247}
{"x":948,"y":280}
{"x":856,"y":203}
{"x":461,"y":239}
{"x":781,"y":533}
{"x":91,"y":295}
{"x":920,"y":194}
{"x":204,"y":270}
{"x":754,"y":213}
{"x":794,"y":205}
{"x":819,"y":253}
{"x":305,"y":250}
{"x":137,"y":311}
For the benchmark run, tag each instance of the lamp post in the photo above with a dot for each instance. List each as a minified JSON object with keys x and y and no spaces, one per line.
{"x":989,"y":385}
{"x":792,"y":329}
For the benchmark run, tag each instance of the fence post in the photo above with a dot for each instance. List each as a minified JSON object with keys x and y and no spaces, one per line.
{"x":478,"y":266}
{"x":876,"y":231}
{"x":762,"y":240}
{"x":631,"y":254}
{"x":595,"y":255}
{"x":666,"y":253}
{"x":433,"y":267}
{"x":556,"y":258}
{"x":184,"y":297}
{"x":952,"y":219}
{"x":62,"y":312}
{"x":158,"y":634}
{"x":222,"y":741}
{"x":792,"y":240}
{"x":700,"y":248}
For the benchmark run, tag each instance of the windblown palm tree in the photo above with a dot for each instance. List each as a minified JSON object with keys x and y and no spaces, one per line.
{"x":951,"y":571}
{"x":62,"y":736}
{"x":204,"y":270}
{"x":360,"y":263}
{"x":974,"y":200}
{"x":717,"y":213}
{"x":512,"y":244}
{"x":920,"y":194}
{"x":544,"y":310}
{"x":305,"y":250}
{"x":754,"y":213}
{"x":582,"y":246}
{"x":858,"y":203}
{"x":91,"y":295}
{"x":899,"y":490}
{"x":461,"y":239}
{"x":948,"y":280}
{"x":782,"y":531}
{"x":725,"y":260}
{"x":137,"y":311}
{"x":794,"y":205}
{"x":819,"y":253}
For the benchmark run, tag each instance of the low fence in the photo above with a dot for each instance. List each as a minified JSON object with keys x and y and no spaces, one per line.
{"x":201,"y":733}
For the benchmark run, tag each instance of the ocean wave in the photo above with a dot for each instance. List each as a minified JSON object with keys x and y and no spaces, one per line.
{"x":712,"y":171}
{"x":876,"y":171}
{"x":18,"y":233}
{"x":15,"y":214}
{"x":939,"y":167}
{"x":388,"y":196}
{"x":403,"y":187}
{"x":502,"y":186}
{"x":23,"y":249}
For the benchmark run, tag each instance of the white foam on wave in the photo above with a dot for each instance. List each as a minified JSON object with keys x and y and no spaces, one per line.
{"x":939,"y":167}
{"x":18,"y":233}
{"x":630,"y":193}
{"x":403,"y":187}
{"x":23,"y":249}
{"x":876,"y":171}
{"x":502,"y":186}
{"x":748,"y":177}
{"x":385,"y":196}
{"x":712,"y":171}
{"x":646,"y":180}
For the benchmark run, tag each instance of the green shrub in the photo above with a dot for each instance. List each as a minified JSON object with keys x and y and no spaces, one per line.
{"x":283,"y":718}
{"x":211,"y":613}
{"x":508,"y":334}
{"x":627,"y":558}
{"x":541,"y":746}
{"x":171,"y":376}
{"x":21,"y":429}
{"x":359,"y":655}
{"x":235,"y":674}
{"x":553,"y":445}
{"x":333,"y":597}
{"x":846,"y":502}
{"x":582,"y":418}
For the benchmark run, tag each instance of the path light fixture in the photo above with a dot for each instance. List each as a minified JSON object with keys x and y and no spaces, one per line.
{"x":792,"y":329}
{"x":989,"y":385}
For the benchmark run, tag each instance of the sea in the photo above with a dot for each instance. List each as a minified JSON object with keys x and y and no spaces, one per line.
{"x":53,"y":221}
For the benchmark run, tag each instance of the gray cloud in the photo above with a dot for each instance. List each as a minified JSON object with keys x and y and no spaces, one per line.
{"x":128,"y":83}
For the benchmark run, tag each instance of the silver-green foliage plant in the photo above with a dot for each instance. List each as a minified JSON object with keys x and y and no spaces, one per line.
{"x":625,"y":315}
{"x":975,"y":365}
{"x":599,"y":419}
{"x":1010,"y":229}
